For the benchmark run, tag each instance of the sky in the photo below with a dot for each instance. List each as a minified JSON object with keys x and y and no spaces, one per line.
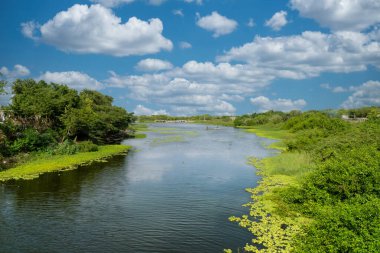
{"x":187,"y":57}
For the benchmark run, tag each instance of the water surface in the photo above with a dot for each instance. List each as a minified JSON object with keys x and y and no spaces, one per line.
{"x":173,"y":192}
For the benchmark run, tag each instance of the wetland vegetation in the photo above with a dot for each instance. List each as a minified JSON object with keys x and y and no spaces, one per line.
{"x":319,"y":192}
{"x":51,"y":127}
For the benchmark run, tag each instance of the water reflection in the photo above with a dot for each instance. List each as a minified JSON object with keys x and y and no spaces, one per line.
{"x":162,"y":197}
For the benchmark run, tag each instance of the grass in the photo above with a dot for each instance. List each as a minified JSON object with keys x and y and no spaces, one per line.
{"x":45,"y":163}
{"x":273,"y":133}
{"x":268,"y":212}
{"x":286,"y":163}
{"x":139,"y":136}
{"x":168,"y":139}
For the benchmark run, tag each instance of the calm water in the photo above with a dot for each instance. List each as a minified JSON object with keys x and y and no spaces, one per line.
{"x":173,"y":193}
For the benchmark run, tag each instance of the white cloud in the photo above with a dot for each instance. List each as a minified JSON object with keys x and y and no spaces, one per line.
{"x":367,"y":94}
{"x":95,"y":29}
{"x":178,"y":13}
{"x":339,"y":89}
{"x":73,"y":79}
{"x":156,"y":2}
{"x":17,"y":71}
{"x":185,"y":45}
{"x":308,"y":54}
{"x":112,"y":3}
{"x":280,"y":104}
{"x":199,"y":2}
{"x":142,"y":110}
{"x":336,"y":89}
{"x":28,"y":29}
{"x":153,"y":65}
{"x":353,"y":15}
{"x":218,"y":24}
{"x":277,"y":21}
{"x":251,"y":23}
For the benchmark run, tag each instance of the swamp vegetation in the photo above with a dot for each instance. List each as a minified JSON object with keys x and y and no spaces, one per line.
{"x":322,"y":192}
{"x":47,"y":125}
{"x":319,"y":193}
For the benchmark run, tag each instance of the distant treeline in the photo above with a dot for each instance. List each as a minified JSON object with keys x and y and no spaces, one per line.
{"x":52,"y":117}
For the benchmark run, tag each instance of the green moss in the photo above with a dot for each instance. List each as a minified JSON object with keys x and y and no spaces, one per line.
{"x":140,"y":136}
{"x":50,"y":163}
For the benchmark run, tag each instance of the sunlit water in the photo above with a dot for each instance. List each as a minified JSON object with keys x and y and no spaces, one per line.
{"x":173,"y":192}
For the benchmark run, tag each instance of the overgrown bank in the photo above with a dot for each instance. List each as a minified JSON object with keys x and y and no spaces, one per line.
{"x":51,"y":163}
{"x":48,"y":127}
{"x":322,"y":193}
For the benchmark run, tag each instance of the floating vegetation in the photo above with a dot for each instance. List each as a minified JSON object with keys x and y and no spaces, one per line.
{"x":51,"y":163}
{"x":168,"y":139}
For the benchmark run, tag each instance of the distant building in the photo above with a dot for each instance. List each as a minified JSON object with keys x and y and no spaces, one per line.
{"x":354,"y":119}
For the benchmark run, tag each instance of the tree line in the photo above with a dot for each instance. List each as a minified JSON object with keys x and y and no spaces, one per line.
{"x":44,"y":116}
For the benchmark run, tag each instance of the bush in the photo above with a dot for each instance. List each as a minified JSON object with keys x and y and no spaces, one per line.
{"x":87,"y":146}
{"x":67,"y":147}
{"x":32,"y":140}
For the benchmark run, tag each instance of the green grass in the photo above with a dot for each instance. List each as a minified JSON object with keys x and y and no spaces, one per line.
{"x":45,"y":163}
{"x":273,"y":133}
{"x":139,"y":136}
{"x":168,"y":139}
{"x":286,"y":163}
{"x":267,"y":211}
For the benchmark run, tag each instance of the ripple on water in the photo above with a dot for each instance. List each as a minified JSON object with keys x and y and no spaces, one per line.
{"x":169,"y":197}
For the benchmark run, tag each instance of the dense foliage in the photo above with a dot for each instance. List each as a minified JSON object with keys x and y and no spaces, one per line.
{"x":335,"y":198}
{"x":46,"y":117}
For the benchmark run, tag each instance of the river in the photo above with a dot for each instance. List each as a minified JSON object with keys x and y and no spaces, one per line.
{"x":173,"y":192}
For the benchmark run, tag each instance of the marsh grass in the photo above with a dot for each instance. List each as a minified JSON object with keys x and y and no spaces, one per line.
{"x":44,"y":163}
{"x":273,"y":222}
{"x":168,"y":139}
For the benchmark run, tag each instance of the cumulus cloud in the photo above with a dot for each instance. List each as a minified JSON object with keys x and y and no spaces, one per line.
{"x":367,"y":94}
{"x":142,"y":110}
{"x":199,"y":2}
{"x":309,"y":54}
{"x":280,"y":104}
{"x":353,"y":15}
{"x":336,"y":89}
{"x":277,"y":21}
{"x":179,"y":94}
{"x":153,"y":65}
{"x":73,"y":79}
{"x":178,"y":12}
{"x":218,"y":24}
{"x":17,"y":71}
{"x":112,"y":3}
{"x":251,"y":23}
{"x":185,"y":45}
{"x":156,"y":2}
{"x":95,"y":29}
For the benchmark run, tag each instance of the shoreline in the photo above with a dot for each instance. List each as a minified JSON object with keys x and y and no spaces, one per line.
{"x":54,"y":163}
{"x":271,"y":222}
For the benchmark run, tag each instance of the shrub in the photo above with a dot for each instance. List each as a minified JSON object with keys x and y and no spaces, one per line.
{"x":87,"y":146}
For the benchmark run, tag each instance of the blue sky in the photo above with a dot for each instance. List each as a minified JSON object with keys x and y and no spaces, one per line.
{"x":184,"y":57}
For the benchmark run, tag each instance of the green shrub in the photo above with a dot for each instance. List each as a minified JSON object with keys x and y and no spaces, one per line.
{"x":87,"y":146}
{"x":32,"y":140}
{"x":67,"y":147}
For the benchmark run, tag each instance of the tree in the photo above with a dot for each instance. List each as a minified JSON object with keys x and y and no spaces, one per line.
{"x":40,"y":105}
{"x":96,"y":119}
{"x":3,"y":83}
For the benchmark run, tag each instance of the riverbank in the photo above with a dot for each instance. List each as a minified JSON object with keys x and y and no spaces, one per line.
{"x":273,"y":223}
{"x":320,"y":194}
{"x":51,"y":163}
